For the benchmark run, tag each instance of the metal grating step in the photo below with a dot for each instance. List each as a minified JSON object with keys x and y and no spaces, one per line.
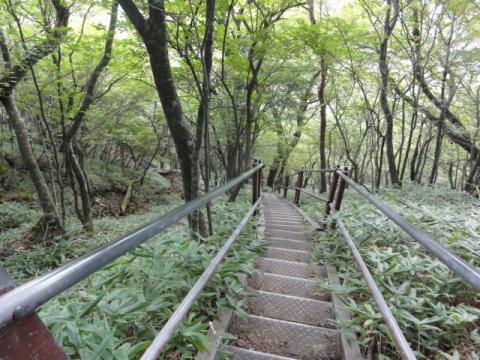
{"x":286,"y":216}
{"x":286,"y":338}
{"x":282,"y":220}
{"x":285,"y":227}
{"x":288,"y":285}
{"x":290,"y":268}
{"x":287,"y":254}
{"x":288,"y":235}
{"x":291,"y":308}
{"x":248,"y":354}
{"x":287,"y":213}
{"x":288,"y":244}
{"x":275,"y":223}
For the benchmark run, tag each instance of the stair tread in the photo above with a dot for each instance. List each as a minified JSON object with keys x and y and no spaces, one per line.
{"x":288,"y":244}
{"x":287,"y":285}
{"x":249,"y":354}
{"x":288,"y":254}
{"x":287,"y":235}
{"x":287,"y":227}
{"x":291,"y":308}
{"x":286,"y":338}
{"x":289,"y":268}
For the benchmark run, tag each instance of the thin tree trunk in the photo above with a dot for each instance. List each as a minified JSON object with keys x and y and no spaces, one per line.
{"x":389,"y":25}
{"x":50,"y":223}
{"x":323,"y":123}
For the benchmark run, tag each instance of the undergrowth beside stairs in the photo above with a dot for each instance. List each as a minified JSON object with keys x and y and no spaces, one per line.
{"x":116,"y":312}
{"x":438,"y":313}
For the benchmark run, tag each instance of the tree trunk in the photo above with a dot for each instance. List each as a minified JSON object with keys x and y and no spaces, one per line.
{"x":49,"y":224}
{"x":323,"y":123}
{"x":389,"y":25}
{"x":436,"y":154}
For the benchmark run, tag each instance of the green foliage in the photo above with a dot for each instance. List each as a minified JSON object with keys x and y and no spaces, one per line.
{"x":118,"y":310}
{"x":15,"y":214}
{"x":434,"y":308}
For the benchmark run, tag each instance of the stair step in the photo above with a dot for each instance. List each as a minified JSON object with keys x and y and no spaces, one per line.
{"x":285,"y":234}
{"x":286,"y":338}
{"x":247,"y":354}
{"x":288,"y":285}
{"x":291,"y":308}
{"x":281,"y":210}
{"x":285,"y":216}
{"x":287,"y":254}
{"x":287,"y":227}
{"x":288,"y":244}
{"x":291,"y":214}
{"x":276,"y":222}
{"x":290,"y":268}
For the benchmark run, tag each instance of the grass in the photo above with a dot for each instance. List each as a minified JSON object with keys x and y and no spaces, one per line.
{"x":116,"y":312}
{"x":438,"y":313}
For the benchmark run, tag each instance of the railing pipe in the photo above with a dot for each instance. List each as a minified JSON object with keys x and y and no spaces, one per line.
{"x":402,"y":343}
{"x":452,"y":261}
{"x":169,"y":329}
{"x":319,"y":170}
{"x":24,"y":299}
{"x":313,"y":195}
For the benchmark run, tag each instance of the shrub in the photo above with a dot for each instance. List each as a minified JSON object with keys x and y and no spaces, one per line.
{"x":14,"y":214}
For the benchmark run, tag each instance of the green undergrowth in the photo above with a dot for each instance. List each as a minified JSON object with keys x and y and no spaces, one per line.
{"x":116,"y":312}
{"x":19,"y":211}
{"x":438,"y":313}
{"x":25,"y":261}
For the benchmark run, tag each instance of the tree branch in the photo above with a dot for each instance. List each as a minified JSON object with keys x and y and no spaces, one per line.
{"x":10,"y":80}
{"x":134,"y":15}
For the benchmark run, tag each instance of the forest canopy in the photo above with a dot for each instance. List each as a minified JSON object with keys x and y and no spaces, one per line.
{"x":389,"y":88}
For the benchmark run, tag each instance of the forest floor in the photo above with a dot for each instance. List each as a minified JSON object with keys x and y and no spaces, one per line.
{"x":437,"y":311}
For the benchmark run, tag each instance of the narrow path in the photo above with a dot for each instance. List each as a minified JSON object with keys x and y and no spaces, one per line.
{"x":290,"y":317}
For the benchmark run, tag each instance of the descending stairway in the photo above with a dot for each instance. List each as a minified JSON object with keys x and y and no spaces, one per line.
{"x":290,"y":317}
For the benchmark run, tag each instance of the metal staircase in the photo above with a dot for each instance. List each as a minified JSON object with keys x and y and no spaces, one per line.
{"x":290,"y":317}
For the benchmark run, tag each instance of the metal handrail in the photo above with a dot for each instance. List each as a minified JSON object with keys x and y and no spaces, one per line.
{"x":397,"y":334}
{"x":468,"y":273}
{"x":311,"y":194}
{"x":23,"y":300}
{"x":169,"y":329}
{"x":317,"y":170}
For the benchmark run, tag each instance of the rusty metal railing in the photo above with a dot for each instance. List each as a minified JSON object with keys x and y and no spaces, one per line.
{"x":18,"y":305}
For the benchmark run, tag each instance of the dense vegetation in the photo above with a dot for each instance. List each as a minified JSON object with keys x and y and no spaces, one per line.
{"x":114,"y":111}
{"x":437,"y":311}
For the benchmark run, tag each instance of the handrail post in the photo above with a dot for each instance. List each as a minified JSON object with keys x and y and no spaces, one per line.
{"x":287,"y":183}
{"x":298,"y":186}
{"x":341,"y":190}
{"x":331,"y":194}
{"x":29,"y":339}
{"x":260,"y":181}
{"x":254,"y":184}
